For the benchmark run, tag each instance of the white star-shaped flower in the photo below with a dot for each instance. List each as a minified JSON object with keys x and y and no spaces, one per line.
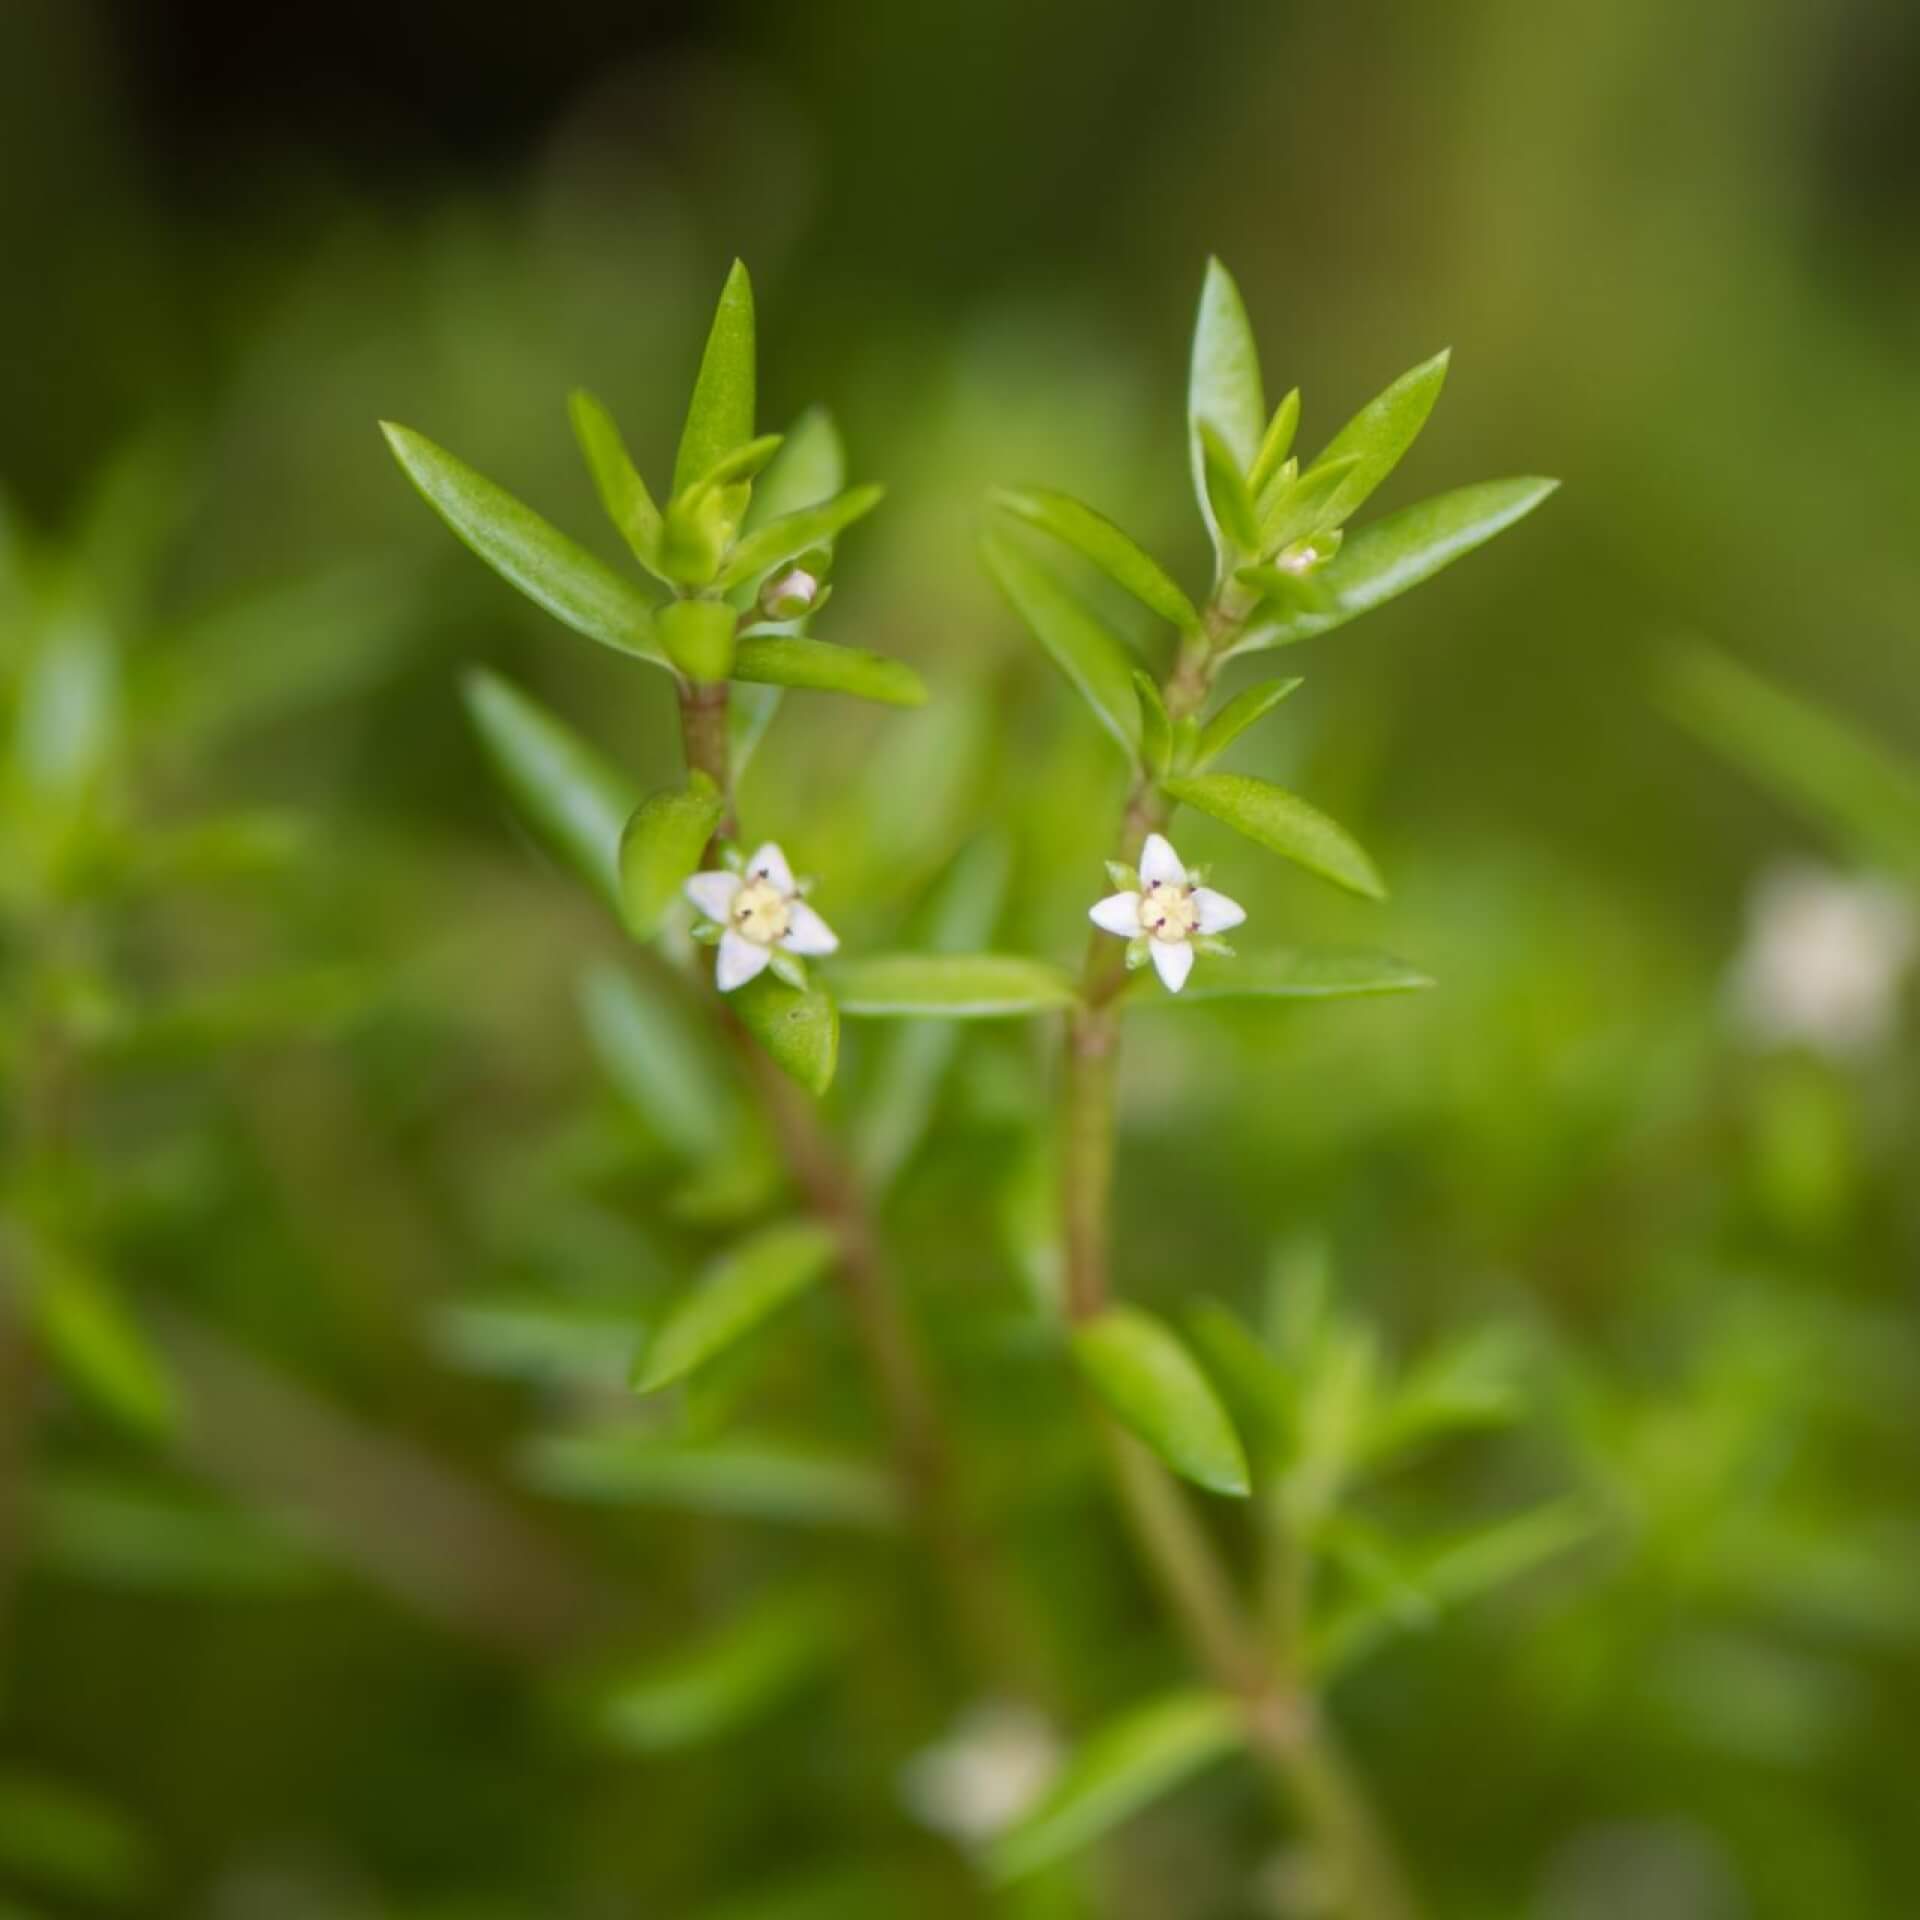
{"x":1167,"y":915}
{"x":758,"y":912}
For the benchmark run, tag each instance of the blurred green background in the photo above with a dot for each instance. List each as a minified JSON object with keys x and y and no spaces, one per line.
{"x":314,"y":1641}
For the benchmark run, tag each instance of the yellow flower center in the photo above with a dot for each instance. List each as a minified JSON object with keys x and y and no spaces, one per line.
{"x":761,"y":912}
{"x":1168,"y":913}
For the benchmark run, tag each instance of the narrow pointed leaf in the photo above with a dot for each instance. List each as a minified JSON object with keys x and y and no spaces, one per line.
{"x":1277,"y":444}
{"x":100,"y":1350}
{"x":661,"y":848}
{"x":1311,"y":505}
{"x":731,"y":1298}
{"x":551,"y":570}
{"x":1382,"y":431}
{"x":1299,"y":973}
{"x":810,"y":467}
{"x":738,"y":464}
{"x":1226,"y":726}
{"x":720,"y":414}
{"x":1227,"y":494}
{"x":1285,"y":824}
{"x":799,"y":1029}
{"x":1156,"y":1389}
{"x":1384,"y":559}
{"x":795,"y":660}
{"x":622,"y":491}
{"x":1080,"y":644}
{"x":1119,"y":1769}
{"x":758,"y":1477}
{"x":728,"y":1678}
{"x":909,"y":1061}
{"x":1833,"y":772}
{"x":1223,"y":384}
{"x":575,"y":801}
{"x":1115,"y":553}
{"x":794,"y":533}
{"x":949,"y":986}
{"x":1156,"y":730}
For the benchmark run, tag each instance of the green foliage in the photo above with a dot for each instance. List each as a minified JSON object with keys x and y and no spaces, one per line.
{"x":1119,"y":1768}
{"x":720,"y":414}
{"x":1115,"y":553}
{"x":525,"y":551}
{"x":798,"y":1026}
{"x":949,"y":986}
{"x":1139,"y":1367}
{"x":792,"y":660}
{"x":1284,"y":824}
{"x":1302,"y":973}
{"x":576,"y":803}
{"x":731,"y":1299}
{"x":1078,"y":642}
{"x":1224,"y":392}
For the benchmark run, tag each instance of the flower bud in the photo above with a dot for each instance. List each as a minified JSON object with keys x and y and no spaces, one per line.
{"x":789,"y":592}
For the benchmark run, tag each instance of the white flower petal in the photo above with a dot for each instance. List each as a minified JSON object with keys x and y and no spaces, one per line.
{"x":1172,"y":961}
{"x":713,"y":894}
{"x":1216,"y":912}
{"x":807,"y":932}
{"x":740,"y":961}
{"x":1160,"y":865}
{"x":1117,"y":913}
{"x":769,"y":863}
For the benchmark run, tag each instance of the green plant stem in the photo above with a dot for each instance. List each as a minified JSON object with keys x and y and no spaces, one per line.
{"x":1285,"y":1728}
{"x":983,"y":1598}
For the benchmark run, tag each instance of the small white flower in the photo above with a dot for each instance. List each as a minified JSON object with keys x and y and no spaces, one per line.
{"x":1166,"y":915}
{"x":997,"y":1761}
{"x":1824,"y":960}
{"x":758,"y":911}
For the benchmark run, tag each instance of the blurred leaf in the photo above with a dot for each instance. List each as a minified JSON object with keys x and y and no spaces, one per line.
{"x":622,"y":491}
{"x":1156,"y":731}
{"x":738,"y":1291}
{"x":810,"y":467}
{"x":145,"y":1537}
{"x":911,"y":1058}
{"x":1283,"y":823}
{"x":730,"y":1677}
{"x":795,"y":533}
{"x":535,"y":1337}
{"x":1298,"y":973}
{"x":1115,"y":553}
{"x":792,"y":660}
{"x":1232,"y":505}
{"x":66,"y":712}
{"x":97,"y":1347}
{"x":800,"y":1030}
{"x":1223,"y":386}
{"x":577,"y":803}
{"x":697,"y":636}
{"x":551,"y":570}
{"x":221,"y":847}
{"x":834,"y":1893}
{"x":1152,"y":1384}
{"x":1239,"y":713}
{"x":69,"y":1842}
{"x":1252,"y":1382}
{"x":1840,"y":778}
{"x":302,"y":1004}
{"x":1081,"y":646}
{"x":1117,"y":1770}
{"x":1469,"y":1381}
{"x":1379,"y":435}
{"x":720,"y":414}
{"x":1386,"y":558}
{"x":750,"y":712}
{"x":750,"y":1476}
{"x":661,"y":849}
{"x":949,"y":986}
{"x":1276,"y":444}
{"x":1427,"y":1580}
